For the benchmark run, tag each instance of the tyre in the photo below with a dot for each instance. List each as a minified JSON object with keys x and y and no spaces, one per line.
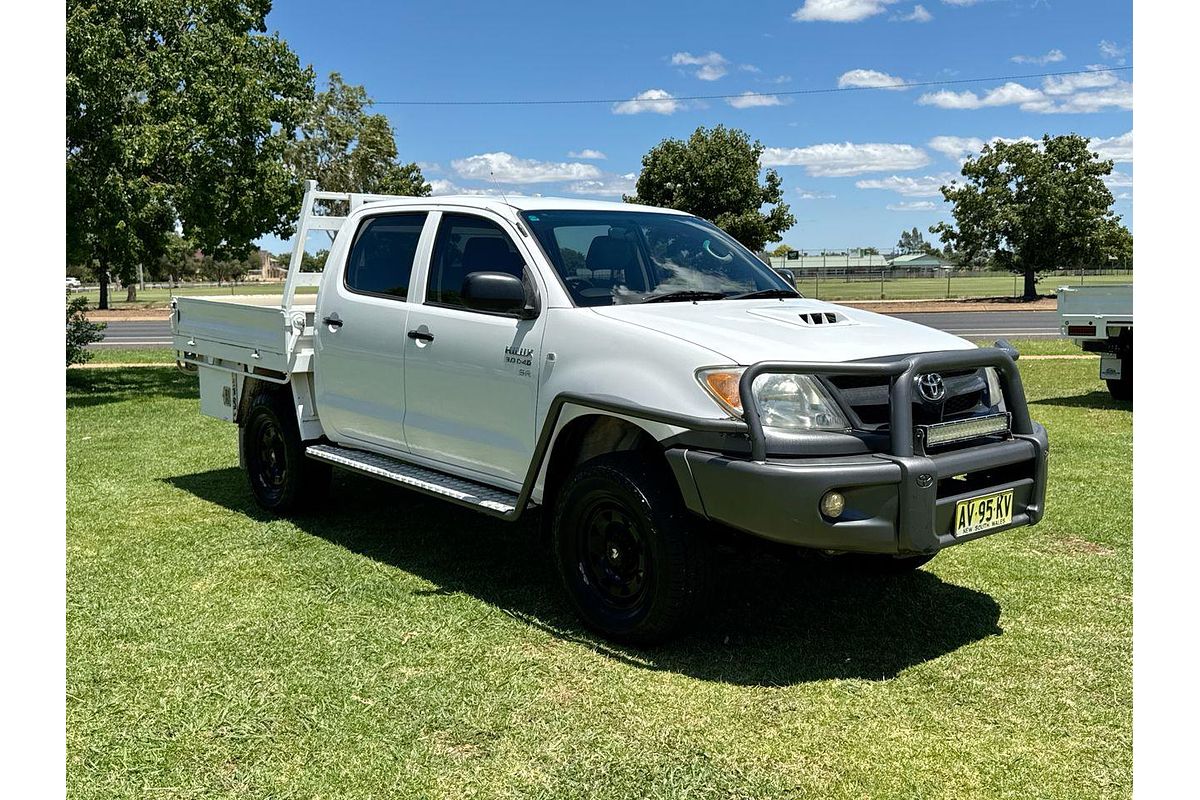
{"x":634,"y":563}
{"x":1123,"y":389}
{"x":282,"y":478}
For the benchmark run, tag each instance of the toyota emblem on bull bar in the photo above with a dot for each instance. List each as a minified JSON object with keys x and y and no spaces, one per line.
{"x":932,"y":387}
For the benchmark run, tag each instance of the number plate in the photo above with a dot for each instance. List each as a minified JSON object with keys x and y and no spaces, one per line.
{"x":983,"y":513}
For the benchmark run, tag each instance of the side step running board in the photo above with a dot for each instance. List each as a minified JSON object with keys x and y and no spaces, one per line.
{"x":496,"y":502}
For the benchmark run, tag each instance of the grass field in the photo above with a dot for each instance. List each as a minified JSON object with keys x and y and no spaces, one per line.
{"x":398,"y":647}
{"x":161,"y":298}
{"x":988,"y":285}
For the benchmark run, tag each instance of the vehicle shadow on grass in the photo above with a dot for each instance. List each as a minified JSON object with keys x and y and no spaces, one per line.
{"x":774,"y":621}
{"x":1095,"y":400}
{"x":96,"y":387}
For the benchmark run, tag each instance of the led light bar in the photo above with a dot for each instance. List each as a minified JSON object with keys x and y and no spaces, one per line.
{"x":962,"y":429}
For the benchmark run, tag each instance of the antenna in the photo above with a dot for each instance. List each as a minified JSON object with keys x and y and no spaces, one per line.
{"x":492,"y":175}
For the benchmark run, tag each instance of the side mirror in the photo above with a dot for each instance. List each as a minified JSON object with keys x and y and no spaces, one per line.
{"x":498,"y":293}
{"x":787,"y":275}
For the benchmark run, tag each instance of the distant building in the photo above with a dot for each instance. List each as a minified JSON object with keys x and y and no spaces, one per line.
{"x":916,"y":261}
{"x":269,"y":267}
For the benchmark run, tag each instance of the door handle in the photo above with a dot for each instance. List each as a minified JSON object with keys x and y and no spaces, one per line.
{"x":421,"y":336}
{"x":333,"y":322}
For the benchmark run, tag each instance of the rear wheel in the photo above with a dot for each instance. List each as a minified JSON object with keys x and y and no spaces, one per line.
{"x":281,"y":477}
{"x":632,"y":561}
{"x":1122,"y":389}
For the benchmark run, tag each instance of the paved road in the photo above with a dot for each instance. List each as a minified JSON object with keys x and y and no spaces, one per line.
{"x":973,"y":325}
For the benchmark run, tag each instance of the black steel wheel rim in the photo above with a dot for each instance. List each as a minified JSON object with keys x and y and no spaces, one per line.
{"x":271,"y":450}
{"x":613,"y":554}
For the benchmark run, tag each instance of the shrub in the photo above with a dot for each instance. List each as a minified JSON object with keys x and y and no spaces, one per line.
{"x":80,"y":331}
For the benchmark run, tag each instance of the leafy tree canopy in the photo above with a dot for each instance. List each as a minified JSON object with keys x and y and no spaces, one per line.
{"x":1035,"y":206}
{"x":715,"y":175}
{"x":346,"y":149}
{"x":178,"y":112}
{"x":913,"y":242}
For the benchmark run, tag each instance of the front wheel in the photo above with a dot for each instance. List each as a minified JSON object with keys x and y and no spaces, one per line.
{"x":282,"y":478}
{"x":633,"y":563}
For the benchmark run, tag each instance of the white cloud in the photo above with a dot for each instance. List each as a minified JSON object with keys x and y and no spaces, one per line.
{"x":960,"y":147}
{"x":587,"y":152}
{"x":445,"y":187}
{"x":839,"y":10}
{"x":923,"y":186}
{"x":918,"y":14}
{"x":1117,"y":148}
{"x":429,"y":166}
{"x":1063,"y":94}
{"x":918,"y":205}
{"x":956,"y":146}
{"x":1113,"y":50}
{"x":507,"y":168}
{"x":962,"y":2}
{"x":1119,"y":96}
{"x":651,"y":101}
{"x":1123,"y":196}
{"x":812,"y":194}
{"x":1118,"y":180}
{"x":749,"y":68}
{"x":870,"y":78}
{"x":607,"y":186}
{"x":1006,"y":95}
{"x":1051,"y":57}
{"x":712,"y":65}
{"x":1060,"y":85}
{"x":754,"y":100}
{"x":846,"y":159}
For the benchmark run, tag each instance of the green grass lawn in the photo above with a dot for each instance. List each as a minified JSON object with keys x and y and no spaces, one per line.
{"x":161,"y":298}
{"x":988,"y":285}
{"x":395,"y":646}
{"x":962,"y":286}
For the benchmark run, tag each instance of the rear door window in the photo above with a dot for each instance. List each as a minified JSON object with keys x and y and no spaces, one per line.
{"x":381,"y":258}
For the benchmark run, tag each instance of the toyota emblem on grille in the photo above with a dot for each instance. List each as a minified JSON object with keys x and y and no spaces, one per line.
{"x":932,"y":387}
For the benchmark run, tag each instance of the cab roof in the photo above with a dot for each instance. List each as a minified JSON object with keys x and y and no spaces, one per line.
{"x":525,"y":203}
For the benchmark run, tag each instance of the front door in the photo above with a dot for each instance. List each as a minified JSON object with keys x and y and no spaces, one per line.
{"x":471,"y":377}
{"x":361,"y":320}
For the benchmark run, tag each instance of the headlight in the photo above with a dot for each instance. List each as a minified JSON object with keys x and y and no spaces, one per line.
{"x":786,"y":401}
{"x":995,"y":394}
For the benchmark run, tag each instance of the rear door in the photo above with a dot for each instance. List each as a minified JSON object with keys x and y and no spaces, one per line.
{"x":471,"y":377}
{"x":362,"y":317}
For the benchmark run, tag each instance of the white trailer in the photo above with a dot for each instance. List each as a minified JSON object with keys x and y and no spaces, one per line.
{"x":1100,"y":320}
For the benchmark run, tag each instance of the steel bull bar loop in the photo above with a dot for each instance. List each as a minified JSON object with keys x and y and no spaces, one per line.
{"x":903,"y":373}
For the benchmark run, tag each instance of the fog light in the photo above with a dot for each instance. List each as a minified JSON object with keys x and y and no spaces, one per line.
{"x":833,"y":504}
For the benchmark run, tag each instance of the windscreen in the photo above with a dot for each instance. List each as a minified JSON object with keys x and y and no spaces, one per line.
{"x":615,"y":257}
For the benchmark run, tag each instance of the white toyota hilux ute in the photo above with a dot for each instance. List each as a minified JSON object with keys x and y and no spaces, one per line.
{"x":634,"y":372}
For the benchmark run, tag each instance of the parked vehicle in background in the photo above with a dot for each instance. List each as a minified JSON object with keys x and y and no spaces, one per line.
{"x":634,"y":371}
{"x":1100,"y":320}
{"x":73,"y":283}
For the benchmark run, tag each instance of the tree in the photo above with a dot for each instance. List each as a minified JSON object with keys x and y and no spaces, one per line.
{"x":80,"y":331}
{"x":913,"y":242}
{"x":346,"y":149}
{"x":1033,"y":206}
{"x":782,"y":250}
{"x":177,"y":113}
{"x":715,"y":175}
{"x":869,"y":251}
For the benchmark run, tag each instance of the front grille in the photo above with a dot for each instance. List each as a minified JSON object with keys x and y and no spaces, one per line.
{"x":869,"y":397}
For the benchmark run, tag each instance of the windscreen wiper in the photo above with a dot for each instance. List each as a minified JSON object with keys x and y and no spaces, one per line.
{"x":762,"y":294}
{"x":671,"y":297}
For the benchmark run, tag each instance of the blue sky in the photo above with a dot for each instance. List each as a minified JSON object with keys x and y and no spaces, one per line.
{"x":857,"y":166}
